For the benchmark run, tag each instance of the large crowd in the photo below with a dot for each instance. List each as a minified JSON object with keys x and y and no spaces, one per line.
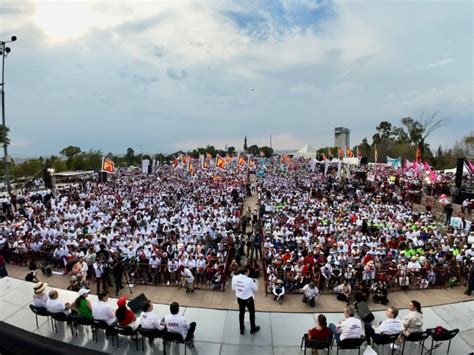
{"x":154,"y":228}
{"x":356,"y":234}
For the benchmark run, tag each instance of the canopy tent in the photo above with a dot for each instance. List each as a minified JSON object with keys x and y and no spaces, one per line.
{"x":306,"y":152}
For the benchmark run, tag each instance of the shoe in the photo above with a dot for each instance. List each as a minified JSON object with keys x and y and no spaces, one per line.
{"x":467,"y":293}
{"x":242,"y":331}
{"x":256,"y":329}
{"x":394,"y":347}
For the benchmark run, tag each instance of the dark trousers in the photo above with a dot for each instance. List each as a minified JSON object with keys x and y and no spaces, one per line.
{"x":370,"y":333}
{"x":310,"y":301}
{"x":250,"y":305}
{"x":118,"y":282}
{"x":102,"y":281}
{"x":192,"y":328}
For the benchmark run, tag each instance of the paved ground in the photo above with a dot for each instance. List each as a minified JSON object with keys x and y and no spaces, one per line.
{"x":217,"y":330}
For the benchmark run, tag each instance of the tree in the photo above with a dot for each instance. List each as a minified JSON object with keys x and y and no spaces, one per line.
{"x":4,"y":135}
{"x":253,"y":149}
{"x":69,"y":152}
{"x":421,"y":128}
{"x":130,"y":156}
{"x":267,"y":151}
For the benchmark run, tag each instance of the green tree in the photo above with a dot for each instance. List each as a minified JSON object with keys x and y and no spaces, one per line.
{"x":130,"y":156}
{"x":69,"y":152}
{"x":4,"y":135}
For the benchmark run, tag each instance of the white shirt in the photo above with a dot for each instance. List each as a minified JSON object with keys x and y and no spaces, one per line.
{"x":350,"y":328}
{"x":176,"y":324}
{"x":390,"y":326}
{"x":310,"y":292}
{"x":102,"y":311}
{"x":188,"y":275}
{"x":56,"y":306}
{"x":149,"y":320}
{"x":40,"y":300}
{"x":244,"y":286}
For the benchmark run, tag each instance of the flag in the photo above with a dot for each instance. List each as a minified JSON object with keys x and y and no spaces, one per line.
{"x":326,"y":166}
{"x":418,"y":154}
{"x":209,"y":155}
{"x":426,"y":166}
{"x":313,"y":164}
{"x":190,"y":167}
{"x":324,"y":157}
{"x":433,"y":176}
{"x":220,"y":162}
{"x":175,"y":163}
{"x":205,"y":163}
{"x":108,"y":165}
{"x":469,"y":165}
{"x":241,"y":161}
{"x":340,"y":152}
{"x":376,"y":155}
{"x":349,"y":153}
{"x":339,"y":166}
{"x":228,"y":158}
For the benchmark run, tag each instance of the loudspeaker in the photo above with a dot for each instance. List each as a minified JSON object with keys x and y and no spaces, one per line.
{"x":137,"y":303}
{"x":48,"y":181}
{"x":46,"y":268}
{"x":149,"y":169}
{"x":102,"y":177}
{"x":363,"y":161}
{"x":459,"y":169}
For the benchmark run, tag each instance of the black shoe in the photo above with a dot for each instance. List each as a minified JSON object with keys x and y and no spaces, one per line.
{"x":467,"y":293}
{"x":256,"y":329}
{"x":242,"y":331}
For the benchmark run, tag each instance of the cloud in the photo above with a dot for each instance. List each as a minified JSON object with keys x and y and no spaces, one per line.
{"x":176,"y":74}
{"x":439,"y":63}
{"x":291,"y":68}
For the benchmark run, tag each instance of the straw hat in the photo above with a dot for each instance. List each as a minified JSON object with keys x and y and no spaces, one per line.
{"x":39,"y":287}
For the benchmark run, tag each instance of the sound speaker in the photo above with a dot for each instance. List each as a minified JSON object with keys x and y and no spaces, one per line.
{"x":102,"y":177}
{"x":149,"y":169}
{"x":137,"y":303}
{"x":363,"y":161}
{"x":48,"y":181}
{"x":459,"y":169}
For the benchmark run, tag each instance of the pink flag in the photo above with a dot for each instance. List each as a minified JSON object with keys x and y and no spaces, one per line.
{"x":433,"y":176}
{"x":416,"y":167}
{"x":470,"y":166}
{"x":426,"y":166}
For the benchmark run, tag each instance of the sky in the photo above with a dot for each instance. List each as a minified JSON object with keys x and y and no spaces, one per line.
{"x":159,"y":76}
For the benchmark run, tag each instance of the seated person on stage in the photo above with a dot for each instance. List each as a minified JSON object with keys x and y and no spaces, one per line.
{"x":148,"y":319}
{"x":176,"y":323}
{"x":278,"y":291}
{"x":101,"y":310}
{"x":310,"y":293}
{"x":321,"y":332}
{"x":125,"y":316}
{"x":53,"y":305}
{"x":343,"y":292}
{"x":392,"y":325}
{"x":40,"y":298}
{"x":82,"y":305}
{"x":380,"y":295}
{"x":349,"y":328}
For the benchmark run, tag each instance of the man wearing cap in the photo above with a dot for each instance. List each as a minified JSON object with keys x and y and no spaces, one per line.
{"x":245,"y":289}
{"x":310,"y":292}
{"x":40,"y":298}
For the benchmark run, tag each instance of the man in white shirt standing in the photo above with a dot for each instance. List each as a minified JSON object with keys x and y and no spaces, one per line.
{"x":349,"y":328}
{"x":101,"y":310}
{"x":392,"y":325}
{"x":176,"y":323}
{"x":245,"y":289}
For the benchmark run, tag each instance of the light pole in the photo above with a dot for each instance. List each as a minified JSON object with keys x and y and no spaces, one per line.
{"x":4,"y":50}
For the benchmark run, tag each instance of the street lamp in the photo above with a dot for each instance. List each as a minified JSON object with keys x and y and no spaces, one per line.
{"x":4,"y":50}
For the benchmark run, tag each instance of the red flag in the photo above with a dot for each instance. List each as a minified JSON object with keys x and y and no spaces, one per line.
{"x":191,"y":167}
{"x":108,"y":165}
{"x":340,"y":152}
{"x":349,"y":153}
{"x":175,"y":163}
{"x":241,"y":161}
{"x":220,"y":162}
{"x":418,"y":154}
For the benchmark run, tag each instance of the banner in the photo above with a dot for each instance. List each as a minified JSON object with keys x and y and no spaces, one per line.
{"x":220,"y":162}
{"x":145,"y":164}
{"x":395,"y":162}
{"x":108,"y":165}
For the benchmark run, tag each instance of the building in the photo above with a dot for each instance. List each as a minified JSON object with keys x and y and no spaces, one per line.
{"x":342,"y":137}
